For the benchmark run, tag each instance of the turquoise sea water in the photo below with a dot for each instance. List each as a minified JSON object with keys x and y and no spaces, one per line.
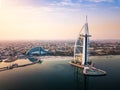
{"x":55,"y":73}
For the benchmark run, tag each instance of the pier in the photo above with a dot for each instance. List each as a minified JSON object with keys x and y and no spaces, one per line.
{"x":17,"y":66}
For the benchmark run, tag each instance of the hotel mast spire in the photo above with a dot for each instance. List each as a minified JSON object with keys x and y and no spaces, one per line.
{"x":86,"y":19}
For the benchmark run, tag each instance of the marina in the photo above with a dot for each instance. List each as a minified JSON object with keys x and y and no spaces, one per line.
{"x":16,"y":65}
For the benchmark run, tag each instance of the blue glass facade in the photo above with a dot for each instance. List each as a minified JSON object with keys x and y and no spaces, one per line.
{"x":38,"y":51}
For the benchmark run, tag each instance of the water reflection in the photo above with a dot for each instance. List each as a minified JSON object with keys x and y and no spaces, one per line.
{"x":80,"y":79}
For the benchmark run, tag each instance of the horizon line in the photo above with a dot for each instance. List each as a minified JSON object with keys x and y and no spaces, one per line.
{"x":53,"y":39}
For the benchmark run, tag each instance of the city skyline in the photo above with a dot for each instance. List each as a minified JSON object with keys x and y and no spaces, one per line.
{"x":58,"y":19}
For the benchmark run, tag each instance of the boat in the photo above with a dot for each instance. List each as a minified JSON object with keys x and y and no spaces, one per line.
{"x":81,"y":53}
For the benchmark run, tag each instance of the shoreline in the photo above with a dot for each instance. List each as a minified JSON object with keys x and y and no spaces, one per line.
{"x":17,"y":65}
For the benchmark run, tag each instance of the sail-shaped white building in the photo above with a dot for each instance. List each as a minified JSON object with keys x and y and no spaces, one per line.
{"x":81,"y":53}
{"x":81,"y":48}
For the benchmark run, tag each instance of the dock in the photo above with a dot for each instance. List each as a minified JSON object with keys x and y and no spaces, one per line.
{"x":76,"y":65}
{"x":17,"y":66}
{"x":89,"y":71}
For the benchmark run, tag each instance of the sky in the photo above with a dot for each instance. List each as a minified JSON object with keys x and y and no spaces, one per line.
{"x":58,"y":19}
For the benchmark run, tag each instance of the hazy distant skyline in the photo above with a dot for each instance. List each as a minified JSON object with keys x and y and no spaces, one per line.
{"x":58,"y":19}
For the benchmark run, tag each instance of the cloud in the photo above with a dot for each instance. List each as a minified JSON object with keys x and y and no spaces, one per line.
{"x":80,"y":4}
{"x":62,"y":3}
{"x":44,"y":18}
{"x":101,"y":1}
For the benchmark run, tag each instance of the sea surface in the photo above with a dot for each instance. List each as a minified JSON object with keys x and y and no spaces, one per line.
{"x":55,"y":73}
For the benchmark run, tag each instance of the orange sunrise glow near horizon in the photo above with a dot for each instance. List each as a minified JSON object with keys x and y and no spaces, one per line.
{"x":58,"y":20}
